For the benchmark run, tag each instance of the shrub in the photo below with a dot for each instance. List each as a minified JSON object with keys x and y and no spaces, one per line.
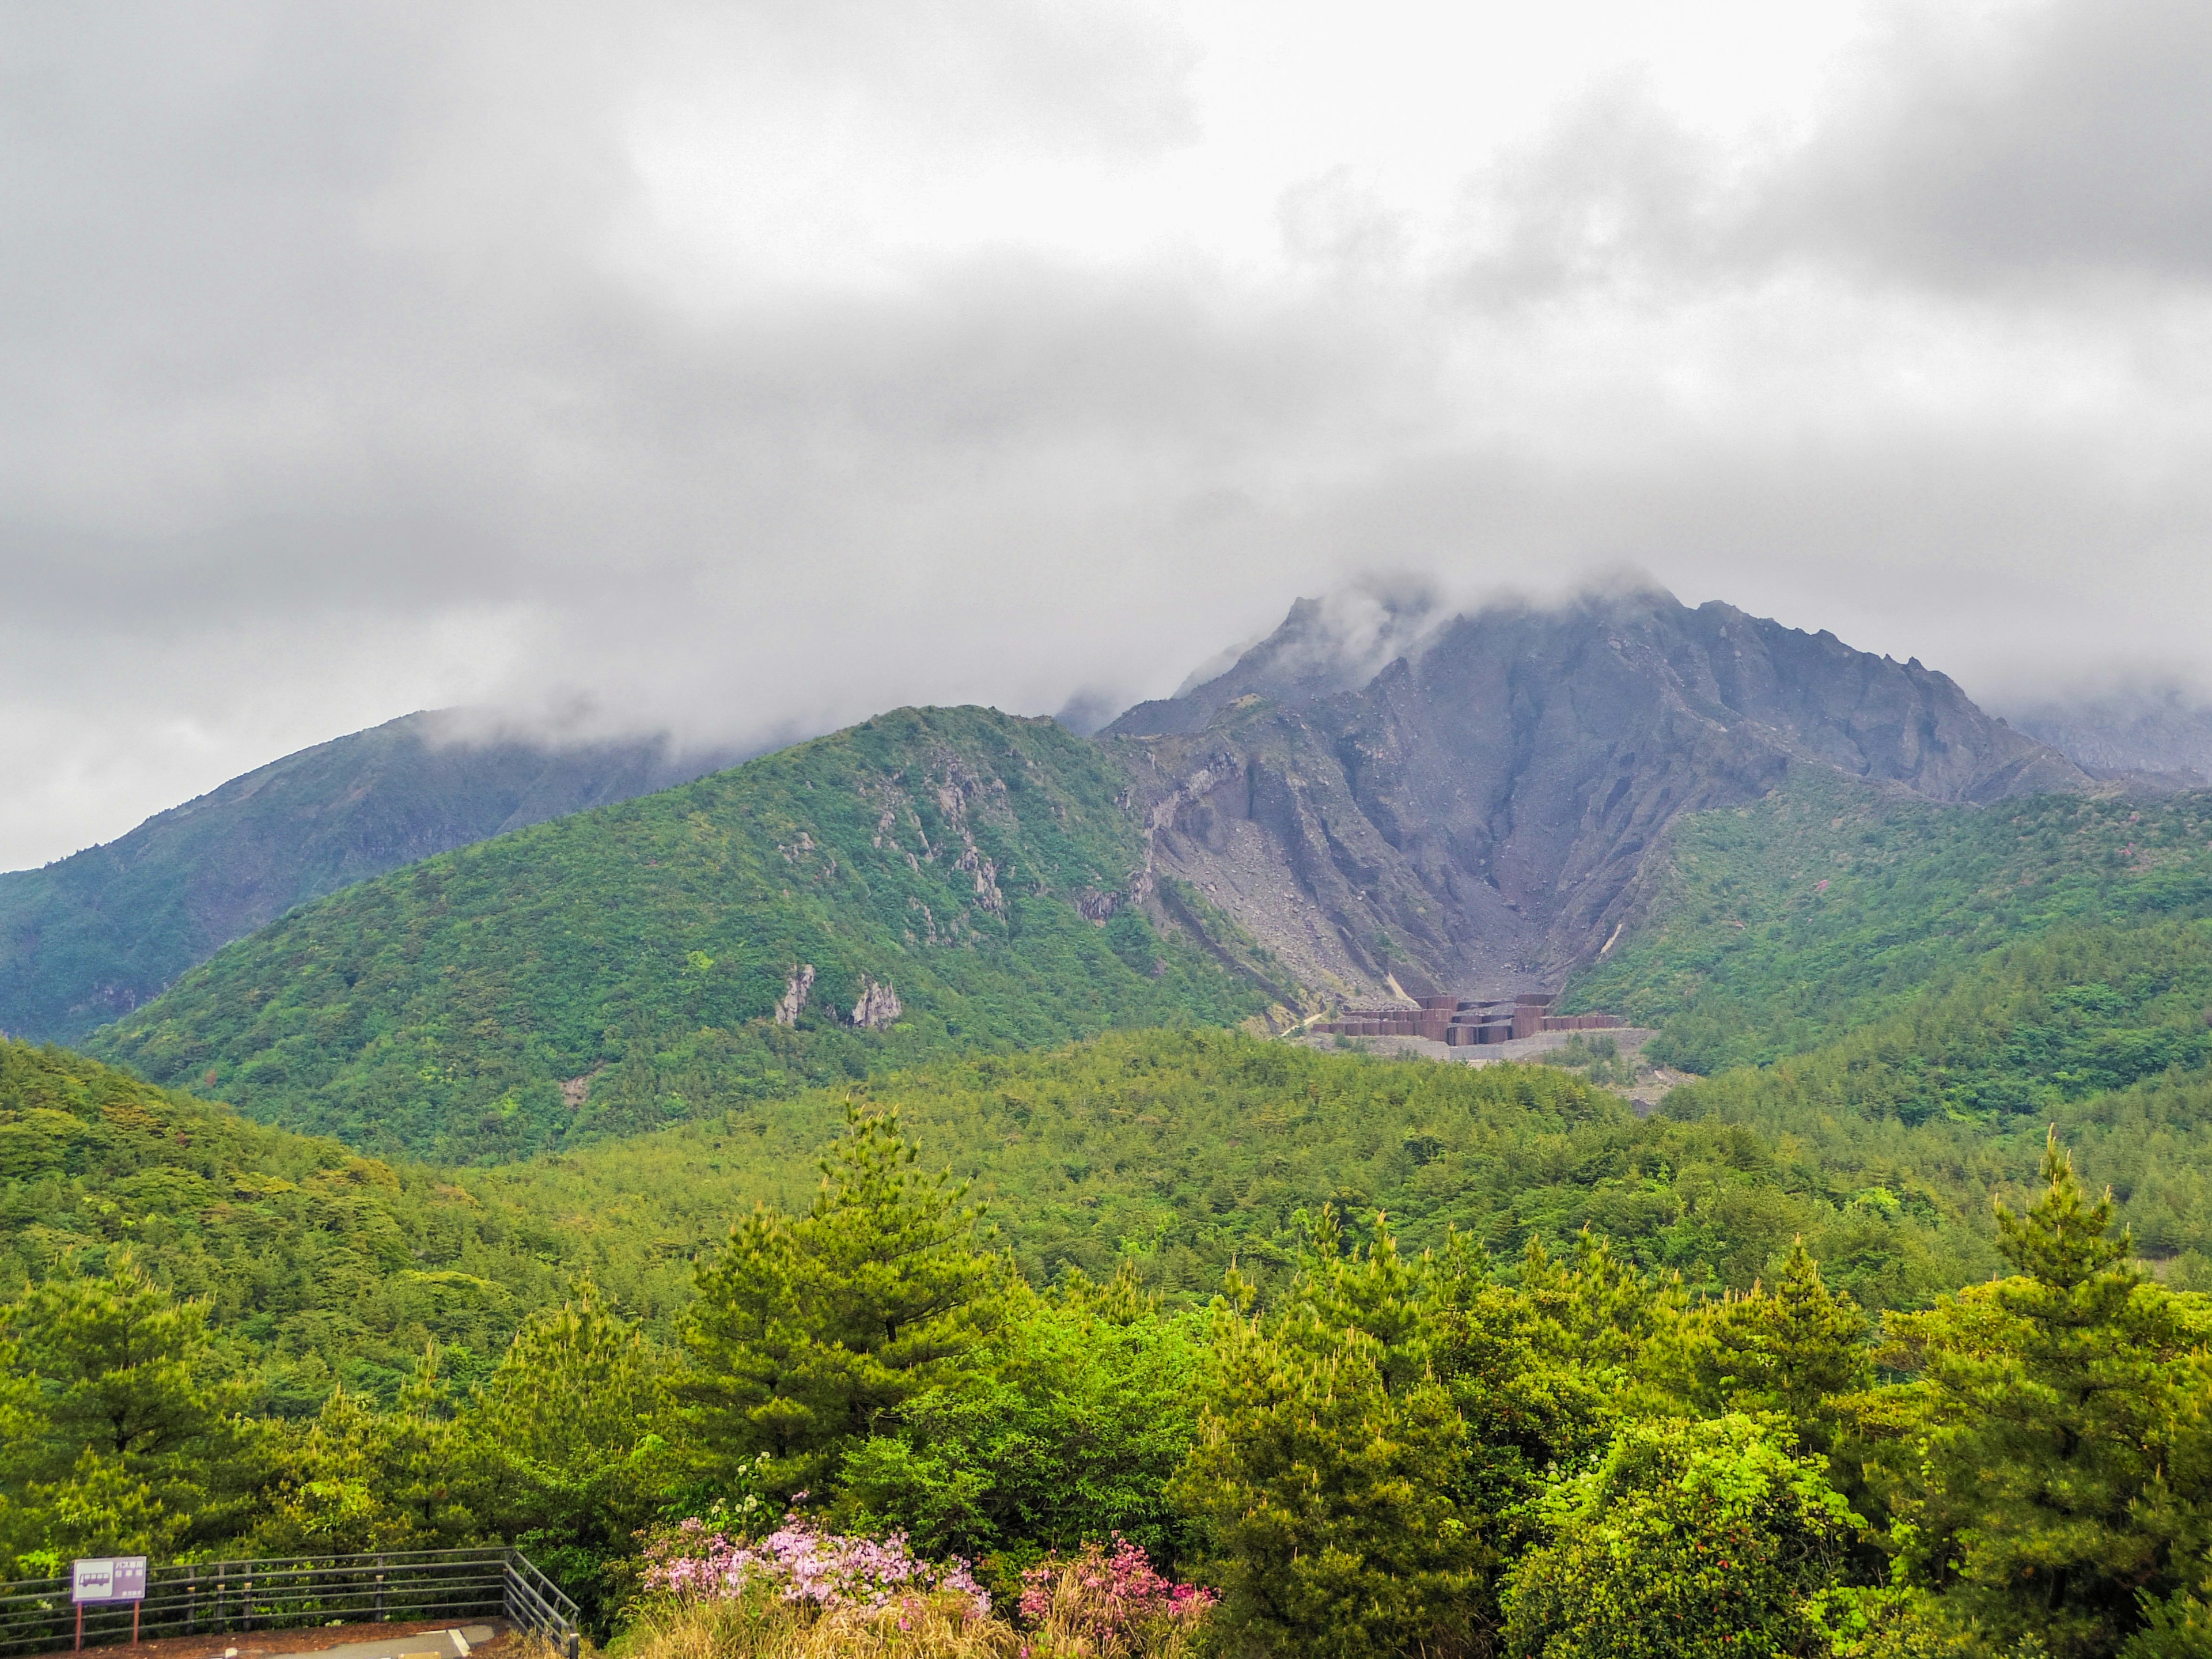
{"x":1690,"y":1541}
{"x":827,"y":1569}
{"x":1108,"y":1604}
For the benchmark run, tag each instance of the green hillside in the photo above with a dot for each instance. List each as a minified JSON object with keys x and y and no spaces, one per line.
{"x":1178,"y":1151}
{"x":1778,"y":927}
{"x":619,"y":969}
{"x":94,"y":935}
{"x":1350,"y":1396}
{"x":1883,"y":1151}
{"x":321,"y":1265}
{"x":1181,"y":1151}
{"x":1186,"y":1152}
{"x":2104,"y":1031}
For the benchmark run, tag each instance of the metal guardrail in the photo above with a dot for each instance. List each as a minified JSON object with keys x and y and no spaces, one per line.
{"x":198,"y":1598}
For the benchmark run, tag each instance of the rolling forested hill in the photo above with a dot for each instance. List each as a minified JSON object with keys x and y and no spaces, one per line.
{"x":931,"y":881}
{"x":2105,"y":1032}
{"x":1181,"y":1151}
{"x":1883,"y":1151}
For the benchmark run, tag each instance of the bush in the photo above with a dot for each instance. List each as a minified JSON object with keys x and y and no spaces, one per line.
{"x":1691,"y":1539}
{"x":801,"y":1563}
{"x":1109,"y":1604}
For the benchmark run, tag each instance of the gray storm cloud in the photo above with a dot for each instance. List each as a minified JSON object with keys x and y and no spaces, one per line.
{"x":709,"y":369}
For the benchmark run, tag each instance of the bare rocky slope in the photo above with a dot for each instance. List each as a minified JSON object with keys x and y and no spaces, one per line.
{"x":1476,"y":811}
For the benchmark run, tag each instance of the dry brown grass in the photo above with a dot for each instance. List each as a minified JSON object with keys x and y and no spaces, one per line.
{"x":765,"y":1626}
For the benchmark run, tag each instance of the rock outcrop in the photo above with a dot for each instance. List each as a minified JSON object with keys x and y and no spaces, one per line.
{"x":797,"y":988}
{"x":1476,"y":811}
{"x":877,"y":1008}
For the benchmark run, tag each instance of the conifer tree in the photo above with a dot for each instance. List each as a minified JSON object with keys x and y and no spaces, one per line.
{"x":125,"y":1370}
{"x":1066,"y":1426}
{"x":564,"y":1445}
{"x":1541,"y":1371}
{"x":356,"y":1479}
{"x":808,"y":1333}
{"x":574,"y":1410}
{"x":1790,"y":1350}
{"x":2040,"y":1429}
{"x":1329,"y":1463}
{"x":121,"y":1437}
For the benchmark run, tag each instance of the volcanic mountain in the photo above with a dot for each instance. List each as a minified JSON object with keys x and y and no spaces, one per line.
{"x":1399,"y":800}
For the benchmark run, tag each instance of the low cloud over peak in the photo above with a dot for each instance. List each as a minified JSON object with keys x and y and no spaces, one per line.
{"x":742,"y":372}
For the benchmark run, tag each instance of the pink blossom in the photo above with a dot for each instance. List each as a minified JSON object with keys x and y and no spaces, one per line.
{"x":826,"y":1568}
{"x":1108,"y":1595}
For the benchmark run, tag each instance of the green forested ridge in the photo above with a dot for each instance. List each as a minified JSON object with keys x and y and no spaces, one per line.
{"x":618,"y":969}
{"x":1885,"y":1150}
{"x":1780,"y":926}
{"x":2106,"y":1031}
{"x":1184,"y":1149}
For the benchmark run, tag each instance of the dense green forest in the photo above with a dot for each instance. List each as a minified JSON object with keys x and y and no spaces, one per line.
{"x":1559,"y":1452}
{"x":1182,"y":1152}
{"x":618,"y":969}
{"x":318,"y":1266}
{"x":1778,"y":927}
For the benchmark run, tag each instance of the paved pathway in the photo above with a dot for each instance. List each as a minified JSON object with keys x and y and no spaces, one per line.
{"x":422,"y":1644}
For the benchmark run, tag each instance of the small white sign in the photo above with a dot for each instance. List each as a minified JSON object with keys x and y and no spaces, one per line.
{"x":111,"y":1578}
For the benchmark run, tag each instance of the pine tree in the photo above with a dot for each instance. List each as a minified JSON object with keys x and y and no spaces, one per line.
{"x":563,"y":1446}
{"x":356,"y":1478}
{"x":126,"y":1370}
{"x":1790,"y":1350}
{"x":2038,"y":1433}
{"x":121,"y":1434}
{"x":1329,"y":1464}
{"x":1540,"y":1372}
{"x":807,"y":1334}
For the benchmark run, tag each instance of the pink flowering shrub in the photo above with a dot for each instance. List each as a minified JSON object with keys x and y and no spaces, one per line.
{"x":1110,"y":1603}
{"x":803,"y":1564}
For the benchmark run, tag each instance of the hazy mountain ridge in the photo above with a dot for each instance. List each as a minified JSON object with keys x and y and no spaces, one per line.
{"x":1481,"y":809}
{"x":95,"y":935}
{"x":2159,"y":729}
{"x":1371,"y":797}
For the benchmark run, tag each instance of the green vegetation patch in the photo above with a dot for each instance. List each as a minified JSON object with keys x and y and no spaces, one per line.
{"x":1186,"y":1152}
{"x":2101,"y":1031}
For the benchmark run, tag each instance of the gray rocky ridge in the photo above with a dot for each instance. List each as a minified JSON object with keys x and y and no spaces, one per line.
{"x":1476,"y":812}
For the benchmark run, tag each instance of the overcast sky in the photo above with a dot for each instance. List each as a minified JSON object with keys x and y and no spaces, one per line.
{"x":751,"y":368}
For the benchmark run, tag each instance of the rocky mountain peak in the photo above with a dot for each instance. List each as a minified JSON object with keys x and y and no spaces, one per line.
{"x":1393,"y":795}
